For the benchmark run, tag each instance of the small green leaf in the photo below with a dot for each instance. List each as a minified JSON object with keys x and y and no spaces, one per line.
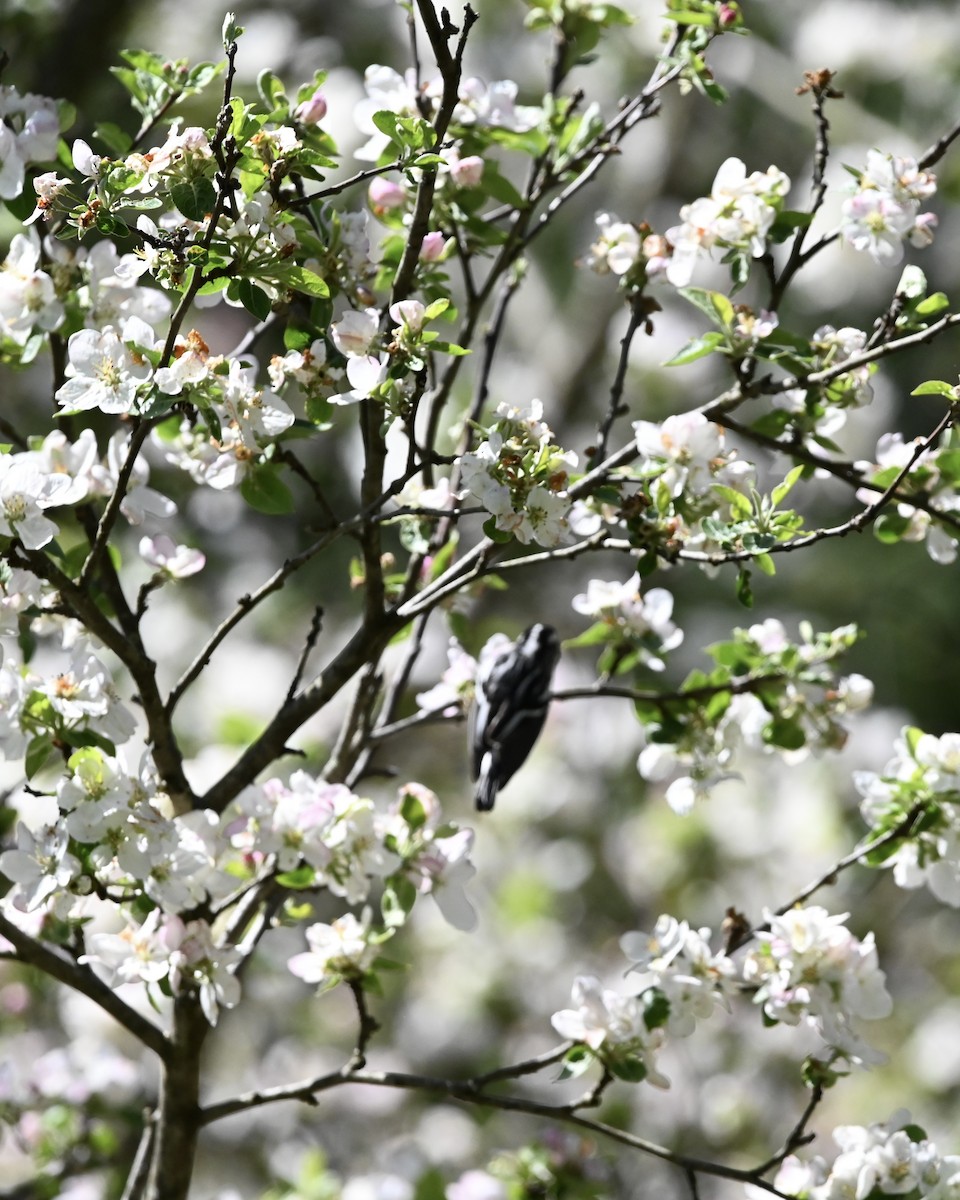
{"x":656,"y":1008}
{"x":254,"y":299}
{"x":271,"y":90}
{"x":932,"y":305}
{"x":630,"y":1069}
{"x":387,"y":122}
{"x":740,"y":505}
{"x":743,"y":588}
{"x":936,"y":387}
{"x":698,"y":347}
{"x":264,"y":490}
{"x":714,"y":305}
{"x":412,"y":810}
{"x":783,"y":489}
{"x":787,"y":735}
{"x":117,"y":141}
{"x":303,"y":877}
{"x":766,"y":564}
{"x":890,"y":528}
{"x":195,"y":198}
{"x":501,"y":536}
{"x":302,"y":280}
{"x":498,"y":187}
{"x":39,"y":751}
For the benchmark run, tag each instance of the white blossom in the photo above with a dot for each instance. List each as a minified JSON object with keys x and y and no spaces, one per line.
{"x":340,"y":949}
{"x":810,"y":968}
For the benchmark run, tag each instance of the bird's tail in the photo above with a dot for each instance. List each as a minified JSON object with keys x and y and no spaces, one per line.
{"x":486,"y":791}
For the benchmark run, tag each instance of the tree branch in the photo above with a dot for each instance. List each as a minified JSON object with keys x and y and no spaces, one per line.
{"x":60,"y":966}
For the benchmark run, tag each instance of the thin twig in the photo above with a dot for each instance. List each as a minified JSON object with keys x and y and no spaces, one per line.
{"x":470,"y":1093}
{"x":308,"y":646}
{"x":899,"y":831}
{"x":616,"y":408}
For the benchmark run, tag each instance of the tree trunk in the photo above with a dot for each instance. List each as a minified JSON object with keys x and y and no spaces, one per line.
{"x":175,"y":1140}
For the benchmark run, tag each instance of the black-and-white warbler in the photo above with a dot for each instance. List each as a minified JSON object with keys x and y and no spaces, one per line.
{"x":513,"y":694}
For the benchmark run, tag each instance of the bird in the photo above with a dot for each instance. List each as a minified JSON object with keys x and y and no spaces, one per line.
{"x":512,"y":698}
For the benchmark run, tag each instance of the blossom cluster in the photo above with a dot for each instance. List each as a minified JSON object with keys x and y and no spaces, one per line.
{"x":819,"y":413}
{"x":519,"y":475}
{"x":117,"y":837}
{"x":884,"y":209}
{"x":686,"y":453}
{"x":642,"y":622}
{"x":806,"y":967}
{"x":479,"y":104}
{"x":922,"y":777}
{"x":931,"y":473}
{"x":889,"y":1158}
{"x":777,"y":696}
{"x":737,"y":216}
{"x":49,"y":285}
{"x":67,"y":700}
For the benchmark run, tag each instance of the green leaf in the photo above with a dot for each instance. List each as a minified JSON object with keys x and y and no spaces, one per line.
{"x":596,"y":635}
{"x":936,"y":387}
{"x":412,"y":810}
{"x":500,"y":188}
{"x":39,"y":751}
{"x":630,"y":1069}
{"x":783,"y":489}
{"x":788,"y":222}
{"x":501,"y":536}
{"x":656,"y":1008}
{"x":399,"y":897}
{"x":295,"y":338}
{"x":195,"y":198}
{"x":714,"y":305}
{"x":687,"y":16}
{"x":766,"y":564}
{"x":387,"y":122}
{"x":787,"y":735}
{"x":271,"y":90}
{"x":698,"y":347}
{"x":743,"y":588}
{"x":254,"y":299}
{"x":890,"y":528}
{"x":231,"y":31}
{"x":740,"y":505}
{"x":264,"y":490}
{"x":303,"y":877}
{"x":576,"y":1060}
{"x":299,"y":279}
{"x":932,"y":305}
{"x":117,"y":140}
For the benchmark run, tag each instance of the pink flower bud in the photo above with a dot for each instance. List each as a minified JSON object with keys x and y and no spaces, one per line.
{"x":433,"y":246}
{"x":727,"y":15}
{"x":385,"y":195}
{"x":467,"y":172}
{"x":312,"y":111}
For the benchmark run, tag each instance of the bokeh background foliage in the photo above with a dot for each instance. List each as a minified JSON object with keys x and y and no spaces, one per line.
{"x":580,"y":849}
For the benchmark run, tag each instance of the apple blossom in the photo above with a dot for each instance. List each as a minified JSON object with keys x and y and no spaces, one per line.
{"x":341,"y":950}
{"x":355,"y":331}
{"x":171,"y":560}
{"x":103,"y":371}
{"x":810,"y":968}
{"x":611,"y":1025}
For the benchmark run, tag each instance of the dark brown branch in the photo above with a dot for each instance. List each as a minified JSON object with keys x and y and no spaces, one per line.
{"x":59,"y":965}
{"x":470,"y":1093}
{"x":365,"y":646}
